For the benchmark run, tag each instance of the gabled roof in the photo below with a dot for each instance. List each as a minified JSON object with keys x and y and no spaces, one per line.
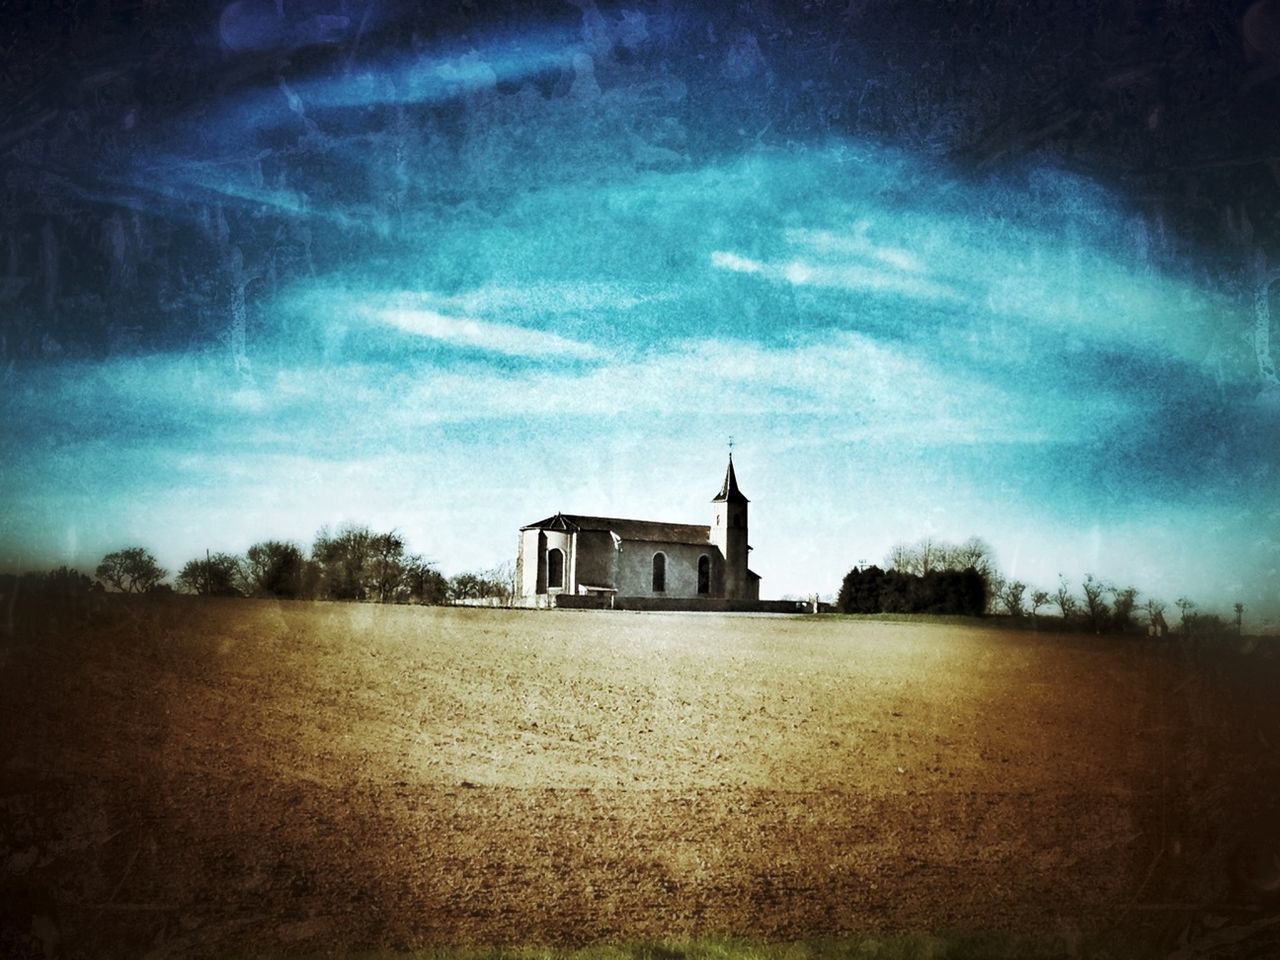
{"x":646,"y":530}
{"x":729,"y":491}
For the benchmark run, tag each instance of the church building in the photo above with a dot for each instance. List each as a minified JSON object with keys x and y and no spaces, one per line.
{"x":610,"y":558}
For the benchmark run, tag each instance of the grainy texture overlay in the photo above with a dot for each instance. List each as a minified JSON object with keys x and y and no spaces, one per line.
{"x":1007,"y":268}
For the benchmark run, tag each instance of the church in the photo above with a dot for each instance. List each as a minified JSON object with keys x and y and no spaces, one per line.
{"x":604,"y":560}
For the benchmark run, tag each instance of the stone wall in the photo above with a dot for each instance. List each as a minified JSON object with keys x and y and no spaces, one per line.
{"x":685,"y":604}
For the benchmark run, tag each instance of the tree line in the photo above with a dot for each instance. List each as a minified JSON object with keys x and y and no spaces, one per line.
{"x":1102,"y":607}
{"x":928,"y":577}
{"x":932,"y":576}
{"x":873,"y":590}
{"x":352,"y":562}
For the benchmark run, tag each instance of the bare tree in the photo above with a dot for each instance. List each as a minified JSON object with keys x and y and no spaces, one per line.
{"x":218,"y":575}
{"x":467,"y":586}
{"x":1010,"y":594}
{"x":343,"y":560}
{"x":502,"y":581}
{"x":423,"y":583}
{"x":386,"y":565}
{"x":1039,"y":598}
{"x":1095,"y":607}
{"x":918,"y":558}
{"x":974,"y":552}
{"x":131,"y":570}
{"x":928,"y":555}
{"x":274,"y":569}
{"x":1123,"y":601}
{"x":1063,"y":598}
{"x":900,"y":558}
{"x":1156,"y":626}
{"x":1186,"y":608}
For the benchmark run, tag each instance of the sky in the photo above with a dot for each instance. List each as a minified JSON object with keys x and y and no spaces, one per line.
{"x":452,"y":268}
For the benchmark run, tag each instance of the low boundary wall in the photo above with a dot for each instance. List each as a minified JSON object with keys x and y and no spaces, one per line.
{"x":568,"y":601}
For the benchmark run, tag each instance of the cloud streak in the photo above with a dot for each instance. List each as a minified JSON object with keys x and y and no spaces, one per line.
{"x":470,"y":333}
{"x":852,"y":277}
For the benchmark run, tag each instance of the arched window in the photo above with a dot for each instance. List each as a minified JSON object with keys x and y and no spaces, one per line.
{"x":659,"y":572}
{"x":555,"y":568}
{"x":704,"y":574}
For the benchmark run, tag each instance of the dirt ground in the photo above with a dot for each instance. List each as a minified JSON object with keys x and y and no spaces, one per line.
{"x":187,"y":777}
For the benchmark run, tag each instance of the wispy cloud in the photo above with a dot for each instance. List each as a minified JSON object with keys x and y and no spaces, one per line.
{"x":727,"y":260}
{"x":847,"y":276}
{"x":446,"y":75}
{"x":473,"y":334}
{"x":550,"y":297}
{"x":848,"y":382}
{"x":843,"y":387}
{"x":856,"y":243}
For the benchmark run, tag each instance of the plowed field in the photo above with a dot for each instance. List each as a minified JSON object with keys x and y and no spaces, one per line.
{"x":211,"y":777}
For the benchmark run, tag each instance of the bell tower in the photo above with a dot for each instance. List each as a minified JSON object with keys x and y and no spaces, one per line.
{"x":729,"y":533}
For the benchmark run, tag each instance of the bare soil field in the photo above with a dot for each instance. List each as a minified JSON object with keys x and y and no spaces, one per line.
{"x":182,"y":777}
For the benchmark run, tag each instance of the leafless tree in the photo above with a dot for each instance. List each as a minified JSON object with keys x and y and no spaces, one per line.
{"x":1063,"y":598}
{"x":927,"y":555}
{"x":974,"y":552}
{"x":216,"y":575}
{"x":131,"y":570}
{"x":1010,"y":594}
{"x":274,"y":569}
{"x":502,"y":579}
{"x":1095,"y":607}
{"x":386,"y":565}
{"x":1123,"y":602}
{"x":1155,"y":617}
{"x":423,"y":583}
{"x":1186,"y":608}
{"x":1039,"y":598}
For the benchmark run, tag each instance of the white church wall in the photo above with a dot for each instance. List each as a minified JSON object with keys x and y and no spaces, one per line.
{"x":528,"y":563}
{"x":559,"y":540}
{"x":635,"y":568}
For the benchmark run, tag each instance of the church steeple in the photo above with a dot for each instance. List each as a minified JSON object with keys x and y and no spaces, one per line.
{"x":729,"y":492}
{"x":729,"y":533}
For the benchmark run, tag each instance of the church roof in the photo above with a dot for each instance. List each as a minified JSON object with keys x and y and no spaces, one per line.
{"x":652,"y":531}
{"x":729,"y":491}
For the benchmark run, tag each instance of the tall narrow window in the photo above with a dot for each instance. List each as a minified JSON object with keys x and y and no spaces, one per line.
{"x":555,"y":568}
{"x":659,"y":572}
{"x":704,"y":574}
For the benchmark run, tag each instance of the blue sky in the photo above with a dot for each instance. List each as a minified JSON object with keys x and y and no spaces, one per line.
{"x":566,"y":303}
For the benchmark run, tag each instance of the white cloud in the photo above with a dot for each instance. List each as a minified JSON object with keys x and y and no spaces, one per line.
{"x":503,"y":338}
{"x":840,"y":276}
{"x":845,"y":386}
{"x":856,"y":243}
{"x":554,"y":298}
{"x":727,"y":260}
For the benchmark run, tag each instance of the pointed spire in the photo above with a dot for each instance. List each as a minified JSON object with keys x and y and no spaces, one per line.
{"x":729,"y":491}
